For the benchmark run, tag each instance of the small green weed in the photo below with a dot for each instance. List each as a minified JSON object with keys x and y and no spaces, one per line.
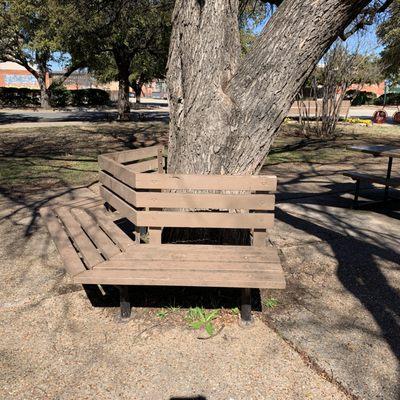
{"x":270,"y":303}
{"x":199,"y":318}
{"x":162,"y":314}
{"x":173,"y":309}
{"x":235,"y":311}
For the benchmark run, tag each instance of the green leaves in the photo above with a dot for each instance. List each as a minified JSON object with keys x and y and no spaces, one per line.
{"x":199,"y":318}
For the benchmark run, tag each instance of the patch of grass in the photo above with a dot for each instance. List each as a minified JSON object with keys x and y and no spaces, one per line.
{"x":270,"y":302}
{"x":32,"y":172}
{"x":173,"y":309}
{"x":199,"y":318}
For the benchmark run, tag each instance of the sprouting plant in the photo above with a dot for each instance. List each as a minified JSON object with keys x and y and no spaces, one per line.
{"x":199,"y":318}
{"x":270,"y":302}
{"x":235,"y":311}
{"x":173,"y":309}
{"x":162,"y":313}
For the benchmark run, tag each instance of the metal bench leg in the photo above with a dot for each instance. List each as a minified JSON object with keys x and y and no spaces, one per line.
{"x":388,"y":174}
{"x":246,"y":319}
{"x":356,"y":194}
{"x":124,"y":302}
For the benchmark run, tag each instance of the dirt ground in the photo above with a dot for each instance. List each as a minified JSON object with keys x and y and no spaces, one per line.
{"x":332,"y":334}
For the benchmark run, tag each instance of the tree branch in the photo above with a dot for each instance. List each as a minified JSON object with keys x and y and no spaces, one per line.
{"x":367,"y":18}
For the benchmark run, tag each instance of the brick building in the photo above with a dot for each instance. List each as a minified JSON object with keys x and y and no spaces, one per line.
{"x":14,"y":75}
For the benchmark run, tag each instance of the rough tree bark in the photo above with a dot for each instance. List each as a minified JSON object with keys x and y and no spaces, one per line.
{"x":123,"y":61}
{"x":225,"y":112}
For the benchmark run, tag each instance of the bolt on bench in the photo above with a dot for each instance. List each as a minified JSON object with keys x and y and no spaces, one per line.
{"x":96,"y":251}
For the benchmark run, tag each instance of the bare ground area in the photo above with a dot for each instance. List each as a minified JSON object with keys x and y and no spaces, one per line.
{"x":333,"y":334}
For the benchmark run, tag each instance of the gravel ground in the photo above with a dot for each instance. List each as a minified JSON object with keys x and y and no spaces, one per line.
{"x":339,"y":312}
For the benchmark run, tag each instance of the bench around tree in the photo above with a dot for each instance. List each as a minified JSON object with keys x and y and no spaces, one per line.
{"x":96,"y":251}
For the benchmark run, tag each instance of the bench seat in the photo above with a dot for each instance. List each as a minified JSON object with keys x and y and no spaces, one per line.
{"x":359,"y":176}
{"x":190,"y":265}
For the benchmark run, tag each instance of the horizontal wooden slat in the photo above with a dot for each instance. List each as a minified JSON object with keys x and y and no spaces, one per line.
{"x":88,"y":251}
{"x":206,"y":182}
{"x":143,"y":166}
{"x":134,"y":154}
{"x":244,"y":279}
{"x":204,"y":219}
{"x":187,"y":219}
{"x":72,"y":262}
{"x":200,"y":253}
{"x":188,"y":266}
{"x":117,"y":170}
{"x":101,"y":240}
{"x":188,"y":200}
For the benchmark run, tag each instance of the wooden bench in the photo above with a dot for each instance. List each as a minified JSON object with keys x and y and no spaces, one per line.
{"x":359,"y":177}
{"x":312,"y":109}
{"x":96,"y":251}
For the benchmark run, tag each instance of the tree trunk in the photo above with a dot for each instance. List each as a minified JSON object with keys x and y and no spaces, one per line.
{"x":225,"y":112}
{"x":44,"y":92}
{"x":123,"y":60}
{"x":137,"y":88}
{"x":124,"y":106}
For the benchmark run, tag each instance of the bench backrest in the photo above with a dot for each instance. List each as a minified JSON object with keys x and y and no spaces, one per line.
{"x":193,"y":201}
{"x":146,"y":159}
{"x":312,"y":109}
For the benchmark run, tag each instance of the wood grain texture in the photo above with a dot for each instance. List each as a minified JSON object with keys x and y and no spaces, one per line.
{"x":226,"y":111}
{"x":187,"y":200}
{"x":71,"y":260}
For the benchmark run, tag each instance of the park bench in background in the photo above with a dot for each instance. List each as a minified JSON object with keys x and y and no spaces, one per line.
{"x":312,"y":109}
{"x":96,"y":251}
{"x":388,"y":181}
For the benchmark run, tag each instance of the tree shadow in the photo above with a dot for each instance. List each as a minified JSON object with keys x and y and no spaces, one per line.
{"x":357,"y":269}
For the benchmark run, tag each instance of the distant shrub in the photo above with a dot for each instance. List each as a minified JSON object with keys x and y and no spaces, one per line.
{"x":360,"y":98}
{"x":19,"y":97}
{"x":89,"y":97}
{"x":59,"y":97}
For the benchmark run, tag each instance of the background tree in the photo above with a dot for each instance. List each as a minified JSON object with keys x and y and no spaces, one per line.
{"x":226,"y":111}
{"x":389,"y":35}
{"x":30,"y":37}
{"x":328,"y":85}
{"x":145,"y":66}
{"x":125,"y":30}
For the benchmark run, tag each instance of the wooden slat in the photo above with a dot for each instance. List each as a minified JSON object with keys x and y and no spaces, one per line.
{"x":72,"y":262}
{"x":187,"y":219}
{"x":204,"y":219}
{"x":188,"y":200}
{"x":134,"y":154}
{"x":124,"y":209}
{"x":201,"y":253}
{"x":246,"y":279}
{"x":206,"y":182}
{"x":144,"y":166}
{"x":101,"y":240}
{"x":190,"y":266}
{"x":117,"y":170}
{"x":122,"y":240}
{"x":81,"y":241}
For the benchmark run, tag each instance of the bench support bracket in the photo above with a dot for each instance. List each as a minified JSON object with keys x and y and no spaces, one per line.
{"x":246,"y":319}
{"x":124,"y":302}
